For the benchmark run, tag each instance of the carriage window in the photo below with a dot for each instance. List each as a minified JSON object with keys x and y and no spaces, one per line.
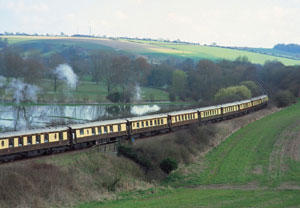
{"x":60,"y":136}
{"x":119,"y":127}
{"x":37,"y":139}
{"x":162,"y":121}
{"x":93,"y":131}
{"x":138,"y":125}
{"x":99,"y":130}
{"x":105,"y":129}
{"x":146,"y":123}
{"x":2,"y":143}
{"x":81,"y":131}
{"x":151,"y":123}
{"x":20,"y":141}
{"x":155,"y":122}
{"x":142,"y":123}
{"x":46,"y":138}
{"x":158,"y":122}
{"x":11,"y":142}
{"x":29,"y":140}
{"x":111,"y":129}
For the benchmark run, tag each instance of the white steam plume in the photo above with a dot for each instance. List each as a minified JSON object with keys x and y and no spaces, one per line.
{"x":144,"y":109}
{"x":137,"y":96}
{"x":2,"y":81}
{"x":65,"y":72}
{"x":22,"y":92}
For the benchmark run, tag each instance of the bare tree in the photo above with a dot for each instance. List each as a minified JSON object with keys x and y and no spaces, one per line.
{"x":53,"y":62}
{"x":101,"y":69}
{"x":14,"y":64}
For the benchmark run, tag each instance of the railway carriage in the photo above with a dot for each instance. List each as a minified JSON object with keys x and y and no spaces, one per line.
{"x":210,"y":113}
{"x":101,"y":131}
{"x":259,"y":101}
{"x":146,"y":124}
{"x":185,"y":117}
{"x":33,"y":141}
{"x":245,"y":105}
{"x":230,"y":109}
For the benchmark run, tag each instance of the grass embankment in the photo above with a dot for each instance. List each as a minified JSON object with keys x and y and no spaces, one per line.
{"x":65,"y":180}
{"x":257,"y":166}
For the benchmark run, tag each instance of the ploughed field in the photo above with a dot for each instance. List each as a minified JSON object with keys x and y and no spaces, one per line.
{"x":257,"y":166}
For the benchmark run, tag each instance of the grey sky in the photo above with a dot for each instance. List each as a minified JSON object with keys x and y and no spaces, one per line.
{"x":229,"y":22}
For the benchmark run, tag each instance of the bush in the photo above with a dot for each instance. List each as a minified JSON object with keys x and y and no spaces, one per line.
{"x":284,"y":98}
{"x":114,"y":97}
{"x":132,"y":154}
{"x":168,"y":164}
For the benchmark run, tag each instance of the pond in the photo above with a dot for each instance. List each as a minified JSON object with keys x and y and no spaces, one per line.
{"x":17,"y":117}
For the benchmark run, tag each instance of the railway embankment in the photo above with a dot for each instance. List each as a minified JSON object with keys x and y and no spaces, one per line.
{"x":71,"y":179}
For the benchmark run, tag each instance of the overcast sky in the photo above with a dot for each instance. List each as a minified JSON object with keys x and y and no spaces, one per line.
{"x":255,"y":23}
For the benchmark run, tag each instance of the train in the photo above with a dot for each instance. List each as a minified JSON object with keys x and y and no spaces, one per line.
{"x":34,"y":142}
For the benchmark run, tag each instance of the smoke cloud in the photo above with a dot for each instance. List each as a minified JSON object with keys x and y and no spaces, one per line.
{"x":66,"y":73}
{"x":22,"y":92}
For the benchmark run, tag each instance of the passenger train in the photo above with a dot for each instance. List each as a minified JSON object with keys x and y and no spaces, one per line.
{"x":18,"y":144}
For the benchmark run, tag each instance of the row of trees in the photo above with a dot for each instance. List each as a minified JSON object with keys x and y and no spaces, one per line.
{"x":183,"y":79}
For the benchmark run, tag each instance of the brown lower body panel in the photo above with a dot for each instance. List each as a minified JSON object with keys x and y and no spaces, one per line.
{"x":100,"y":136}
{"x":33,"y":147}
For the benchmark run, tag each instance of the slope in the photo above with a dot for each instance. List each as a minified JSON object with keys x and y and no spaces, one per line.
{"x":153,"y":49}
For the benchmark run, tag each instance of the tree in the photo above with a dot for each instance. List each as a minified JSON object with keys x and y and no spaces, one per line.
{"x":160,"y":76}
{"x":55,"y":60}
{"x":187,"y":65}
{"x":178,"y":83}
{"x":284,"y":98}
{"x":242,"y":59}
{"x":122,"y":76}
{"x":33,"y":71}
{"x":101,"y":69}
{"x":14,"y":64}
{"x":253,"y":87}
{"x":233,"y":93}
{"x":205,"y":80}
{"x":141,"y":69}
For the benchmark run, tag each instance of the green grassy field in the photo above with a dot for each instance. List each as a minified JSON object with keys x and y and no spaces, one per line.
{"x":190,"y":198}
{"x":152,"y":48}
{"x":257,"y":166}
{"x":265,"y":152}
{"x":214,"y":53}
{"x":86,"y":92}
{"x":276,"y":52}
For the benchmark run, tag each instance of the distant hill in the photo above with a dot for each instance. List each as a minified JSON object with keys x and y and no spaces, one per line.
{"x":154,"y":50}
{"x":292,"y":48}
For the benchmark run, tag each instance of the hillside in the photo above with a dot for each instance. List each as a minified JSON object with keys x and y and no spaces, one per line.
{"x":152,"y":49}
{"x":257,"y":166}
